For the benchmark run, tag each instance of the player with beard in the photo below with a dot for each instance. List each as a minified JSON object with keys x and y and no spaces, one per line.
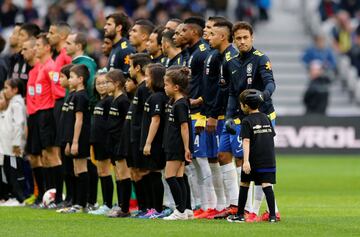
{"x":116,"y":28}
{"x":172,"y":24}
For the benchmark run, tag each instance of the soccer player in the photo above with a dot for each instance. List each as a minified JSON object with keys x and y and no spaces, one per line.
{"x":198,"y":50}
{"x":211,"y":89}
{"x":77,"y":134}
{"x":172,"y":24}
{"x":106,"y":46}
{"x":169,"y":49}
{"x":256,"y":73}
{"x":153,"y":46}
{"x":181,"y":42}
{"x":139,"y":34}
{"x":45,"y":102}
{"x":220,"y":38}
{"x":116,"y":28}
{"x":259,"y":163}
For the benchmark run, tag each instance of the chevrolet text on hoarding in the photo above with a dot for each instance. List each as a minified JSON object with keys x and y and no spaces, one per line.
{"x":318,"y":134}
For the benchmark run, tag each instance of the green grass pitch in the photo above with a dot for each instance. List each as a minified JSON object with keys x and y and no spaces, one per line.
{"x":317,"y":196}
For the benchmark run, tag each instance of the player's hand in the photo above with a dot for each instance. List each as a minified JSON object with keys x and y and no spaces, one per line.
{"x":188,"y":156}
{"x":211,"y":125}
{"x":147,"y":149}
{"x":67,"y":149}
{"x":74,"y":149}
{"x":230,"y":126}
{"x":246,"y":167}
{"x":17,"y":151}
{"x":195,"y":102}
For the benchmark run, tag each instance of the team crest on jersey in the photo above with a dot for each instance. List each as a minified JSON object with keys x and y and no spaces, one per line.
{"x":249,"y":68}
{"x":31,"y":90}
{"x":228,"y":56}
{"x":249,"y":81}
{"x":202,"y":47}
{"x":38,"y":89}
{"x":55,"y":77}
{"x":127,"y":60}
{"x":268,"y":66}
{"x":123,"y":45}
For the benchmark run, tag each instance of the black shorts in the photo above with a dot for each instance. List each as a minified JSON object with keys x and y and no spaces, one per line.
{"x":175,"y":156}
{"x":155,"y":161}
{"x":57,"y":114}
{"x":33,"y":144}
{"x":136,"y":155}
{"x":115,"y":150}
{"x":47,"y":128}
{"x":259,"y":177}
{"x":83,"y":150}
{"x":100,"y":151}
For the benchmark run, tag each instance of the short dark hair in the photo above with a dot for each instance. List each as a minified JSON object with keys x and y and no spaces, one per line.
{"x":66,"y":70}
{"x":43,"y":37}
{"x":225,"y":24}
{"x":31,"y":29}
{"x":17,"y":83}
{"x":252,"y":98}
{"x":145,"y":26}
{"x":81,"y":39}
{"x":179,"y":75}
{"x":120,"y":18}
{"x":197,"y":22}
{"x":141,"y":59}
{"x":177,"y":20}
{"x":157,"y":73}
{"x":168,"y":35}
{"x":81,"y":71}
{"x":116,"y":75}
{"x":159,"y":30}
{"x":242,"y":25}
{"x":216,"y":18}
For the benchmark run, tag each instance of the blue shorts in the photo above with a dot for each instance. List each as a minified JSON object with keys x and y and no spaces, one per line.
{"x":199,"y":141}
{"x":231,"y":143}
{"x":213,"y":140}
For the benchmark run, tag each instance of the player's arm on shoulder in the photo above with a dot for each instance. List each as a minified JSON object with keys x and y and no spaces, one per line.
{"x":266,"y":73}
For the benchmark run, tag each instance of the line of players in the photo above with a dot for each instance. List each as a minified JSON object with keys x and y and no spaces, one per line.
{"x":222,"y":63}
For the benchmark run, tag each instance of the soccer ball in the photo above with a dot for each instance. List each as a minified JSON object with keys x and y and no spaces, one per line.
{"x":49,"y":197}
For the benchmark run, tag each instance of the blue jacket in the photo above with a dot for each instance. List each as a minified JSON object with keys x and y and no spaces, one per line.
{"x":253,"y":71}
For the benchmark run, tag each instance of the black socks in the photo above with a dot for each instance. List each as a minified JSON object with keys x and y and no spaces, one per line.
{"x":39,"y":178}
{"x":178,"y":191}
{"x":157,"y":189}
{"x":82,"y":188}
{"x":107,"y":189}
{"x":93,"y":183}
{"x":242,"y":200}
{"x":188,"y":192}
{"x":124,"y":194}
{"x":57,"y":175}
{"x":270,"y":199}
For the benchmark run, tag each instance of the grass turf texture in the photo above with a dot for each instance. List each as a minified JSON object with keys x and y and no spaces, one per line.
{"x":317,"y":196}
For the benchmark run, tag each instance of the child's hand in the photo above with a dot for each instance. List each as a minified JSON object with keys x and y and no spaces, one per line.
{"x":147,"y":149}
{"x":74,"y":148}
{"x":246,"y":167}
{"x":188,"y":155}
{"x":67,"y":149}
{"x":17,"y":151}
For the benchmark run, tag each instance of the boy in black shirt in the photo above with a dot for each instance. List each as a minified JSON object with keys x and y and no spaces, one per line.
{"x":259,"y":156}
{"x":78,"y":133}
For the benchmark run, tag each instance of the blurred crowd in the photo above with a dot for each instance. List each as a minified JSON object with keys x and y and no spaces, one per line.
{"x":89,"y":15}
{"x":338,"y":36}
